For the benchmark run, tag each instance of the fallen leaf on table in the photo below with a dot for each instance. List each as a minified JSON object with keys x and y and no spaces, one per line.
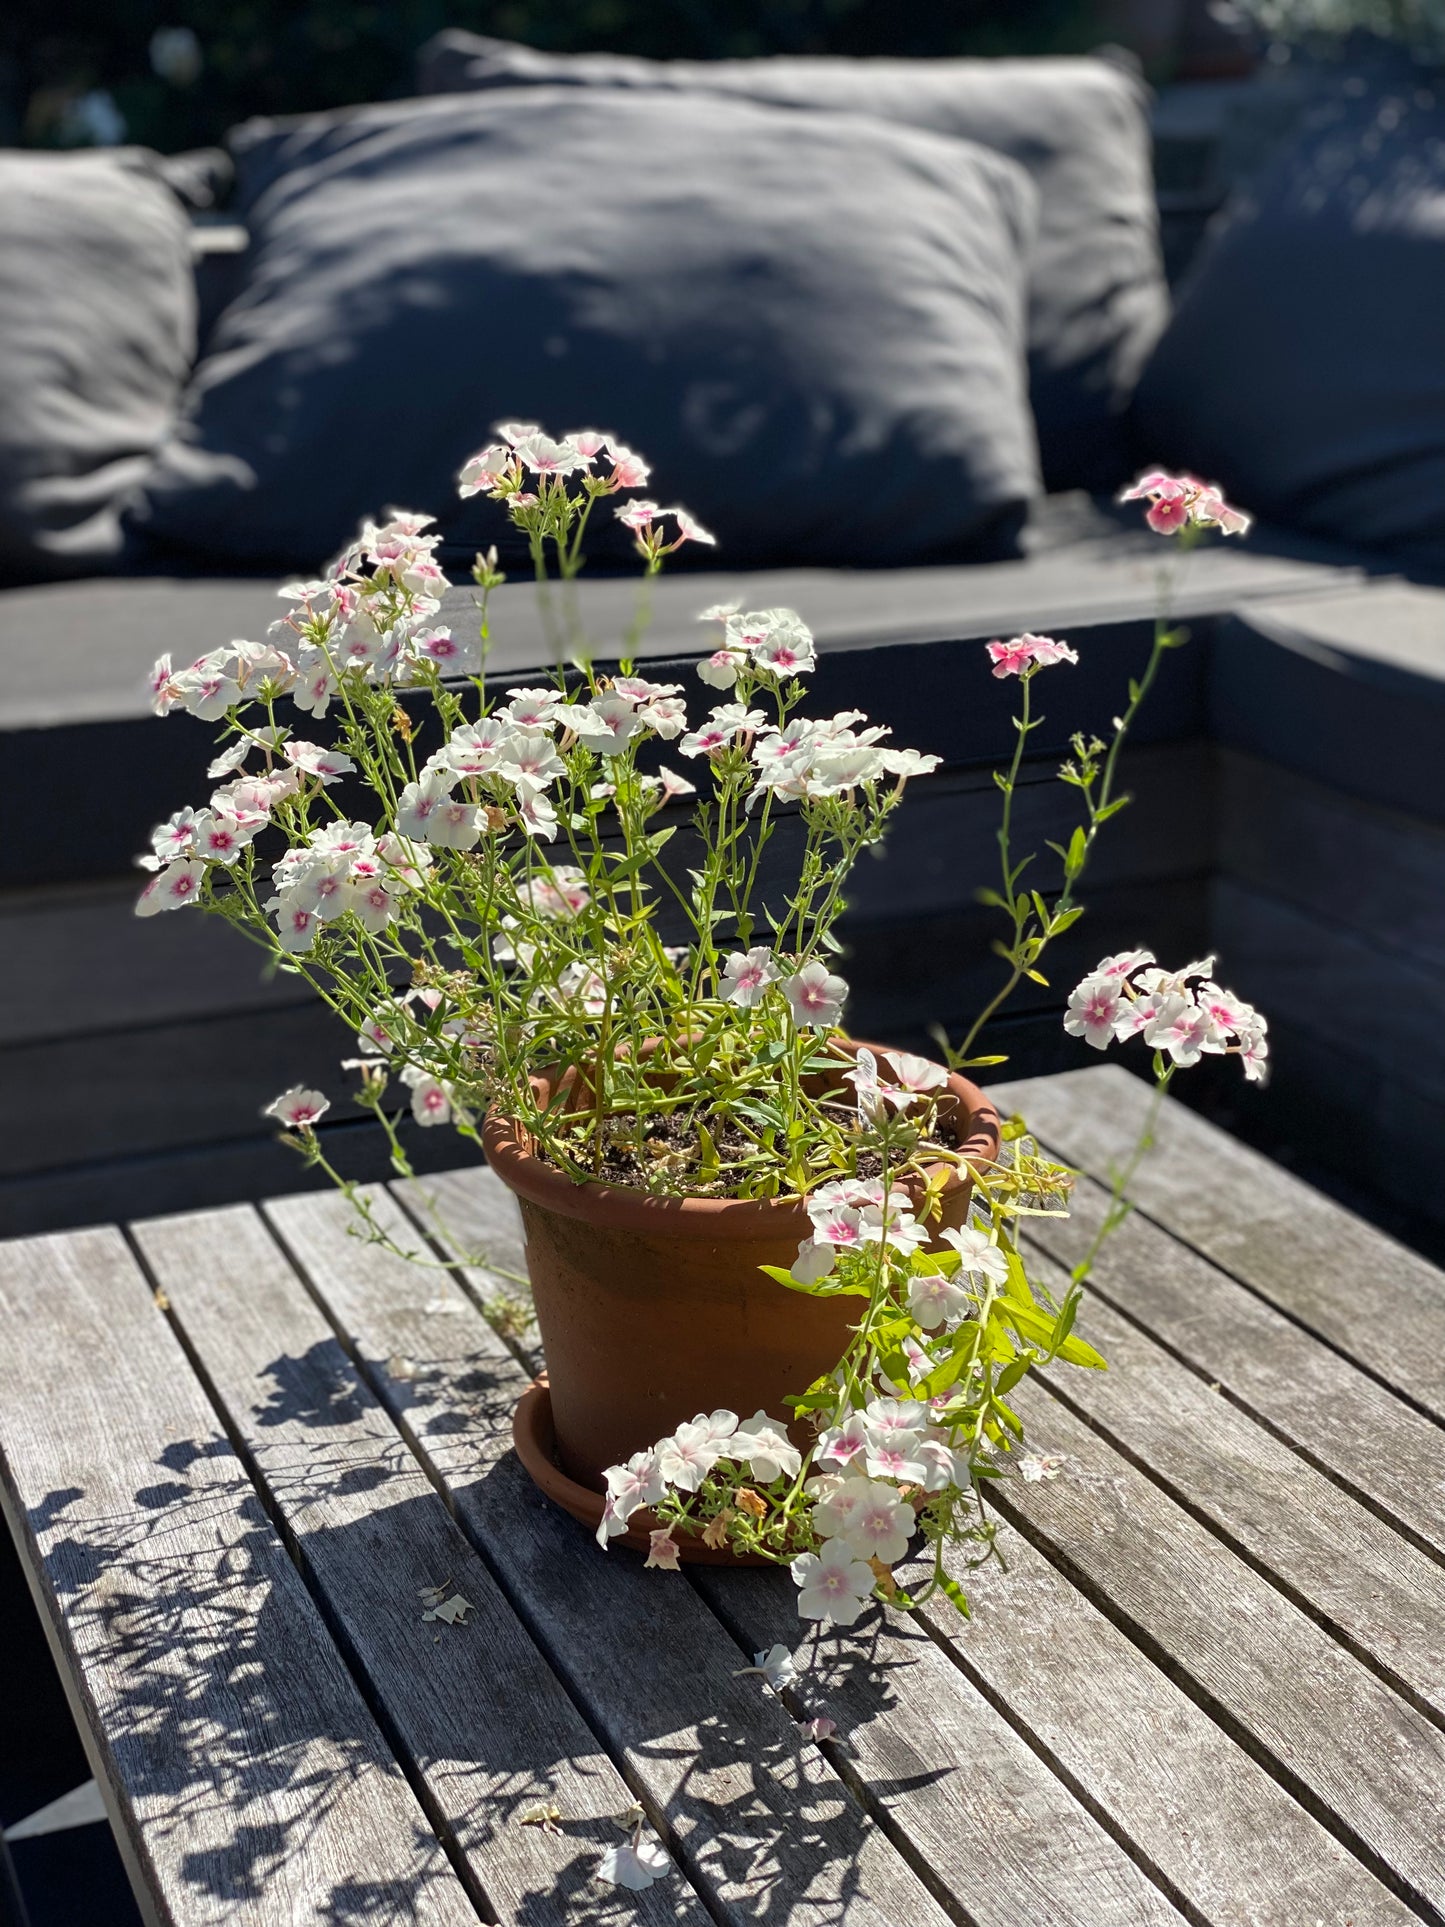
{"x":544,"y":1815}
{"x":452,"y":1611}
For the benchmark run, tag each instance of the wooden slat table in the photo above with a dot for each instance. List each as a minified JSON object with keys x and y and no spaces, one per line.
{"x":239,"y":1446}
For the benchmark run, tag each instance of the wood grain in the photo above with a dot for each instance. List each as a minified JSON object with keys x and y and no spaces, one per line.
{"x":1365,"y":1294}
{"x":1224,"y":1834}
{"x":755,"y":1810}
{"x":1334,"y":1734}
{"x":1352,"y":1572}
{"x":1344,"y":1422}
{"x":475,"y":1707}
{"x":249,"y":1781}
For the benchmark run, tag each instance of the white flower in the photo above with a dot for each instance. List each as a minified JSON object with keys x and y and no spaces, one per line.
{"x":607,"y":724}
{"x":1254,"y":1054}
{"x":543,"y":456}
{"x":329,"y":765}
{"x":880,"y":1523}
{"x":1183,"y":1029}
{"x":636,"y":1865}
{"x":767,"y":1449}
{"x":674,"y":784}
{"x":835,"y":1510}
{"x":721,"y":669}
{"x":1093,"y":1010}
{"x":1122,"y":965}
{"x":977,"y":1252}
{"x":934,"y":1299}
{"x":943,"y":1466}
{"x":442,"y":647}
{"x":485,"y":471}
{"x":906,"y":763}
{"x":842,"y":1444}
{"x":531,"y":757}
{"x":914,"y":1075}
{"x":815,"y":997}
{"x":777,"y":1666}
{"x":629,"y":1488}
{"x":746,"y":976}
{"x":298,"y":1109}
{"x":832,"y":1584}
{"x":431,"y":1100}
{"x":428,"y":809}
{"x":814,"y":1261}
{"x":842,"y":1227}
{"x":221,"y":837}
{"x":896,"y":1458}
{"x":686,"y":1457}
{"x":230,"y":759}
{"x":537,"y":814}
{"x":296,"y":923}
{"x":534,"y":708}
{"x":175,"y":886}
{"x":476,"y":748}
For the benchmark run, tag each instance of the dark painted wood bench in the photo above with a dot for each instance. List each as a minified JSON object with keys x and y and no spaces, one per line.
{"x":239,"y":1447}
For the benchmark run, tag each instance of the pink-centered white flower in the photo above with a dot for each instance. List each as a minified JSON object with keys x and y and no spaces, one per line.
{"x":842,"y":1444}
{"x":815,"y":997}
{"x":766,"y":1448}
{"x":687,"y":1455}
{"x":491,"y":469}
{"x":1025,"y":654}
{"x":298,"y":1109}
{"x":173,"y":888}
{"x":832,"y":1584}
{"x":935,"y":1299}
{"x":881,"y":1524}
{"x":630,"y":1487}
{"x":326,"y":765}
{"x":746,"y":976}
{"x":1093,"y":1010}
{"x":978,"y":1252}
{"x":1178,"y":501}
{"x":662,"y":1551}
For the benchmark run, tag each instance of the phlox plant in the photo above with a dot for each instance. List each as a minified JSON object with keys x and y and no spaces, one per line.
{"x":489,"y":889}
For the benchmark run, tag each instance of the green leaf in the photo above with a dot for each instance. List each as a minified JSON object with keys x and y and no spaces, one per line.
{"x":1078,"y":850}
{"x":980,"y":1063}
{"x":829,"y":1287}
{"x":1011,"y":1374}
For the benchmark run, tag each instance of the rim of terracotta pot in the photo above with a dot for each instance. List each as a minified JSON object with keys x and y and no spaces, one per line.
{"x":536,"y":1443}
{"x":508,"y":1149}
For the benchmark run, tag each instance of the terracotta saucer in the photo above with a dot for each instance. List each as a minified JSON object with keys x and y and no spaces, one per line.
{"x":536,"y":1444}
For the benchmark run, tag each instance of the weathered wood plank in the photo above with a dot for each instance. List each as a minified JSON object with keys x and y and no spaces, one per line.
{"x":1336,"y":1735}
{"x":1376,"y":1301}
{"x":474,"y":1706}
{"x":1219,"y":1830}
{"x":249,"y":1781}
{"x":753,"y":1807}
{"x":1196,"y":1806}
{"x":1376,"y":1592}
{"x":1341,"y":1420}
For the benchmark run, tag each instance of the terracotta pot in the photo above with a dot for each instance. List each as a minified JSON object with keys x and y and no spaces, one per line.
{"x":651,"y":1308}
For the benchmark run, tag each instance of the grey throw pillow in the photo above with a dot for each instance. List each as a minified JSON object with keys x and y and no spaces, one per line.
{"x":811,"y":328}
{"x":1305,"y":368}
{"x":1097,"y":296}
{"x":97,"y":335}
